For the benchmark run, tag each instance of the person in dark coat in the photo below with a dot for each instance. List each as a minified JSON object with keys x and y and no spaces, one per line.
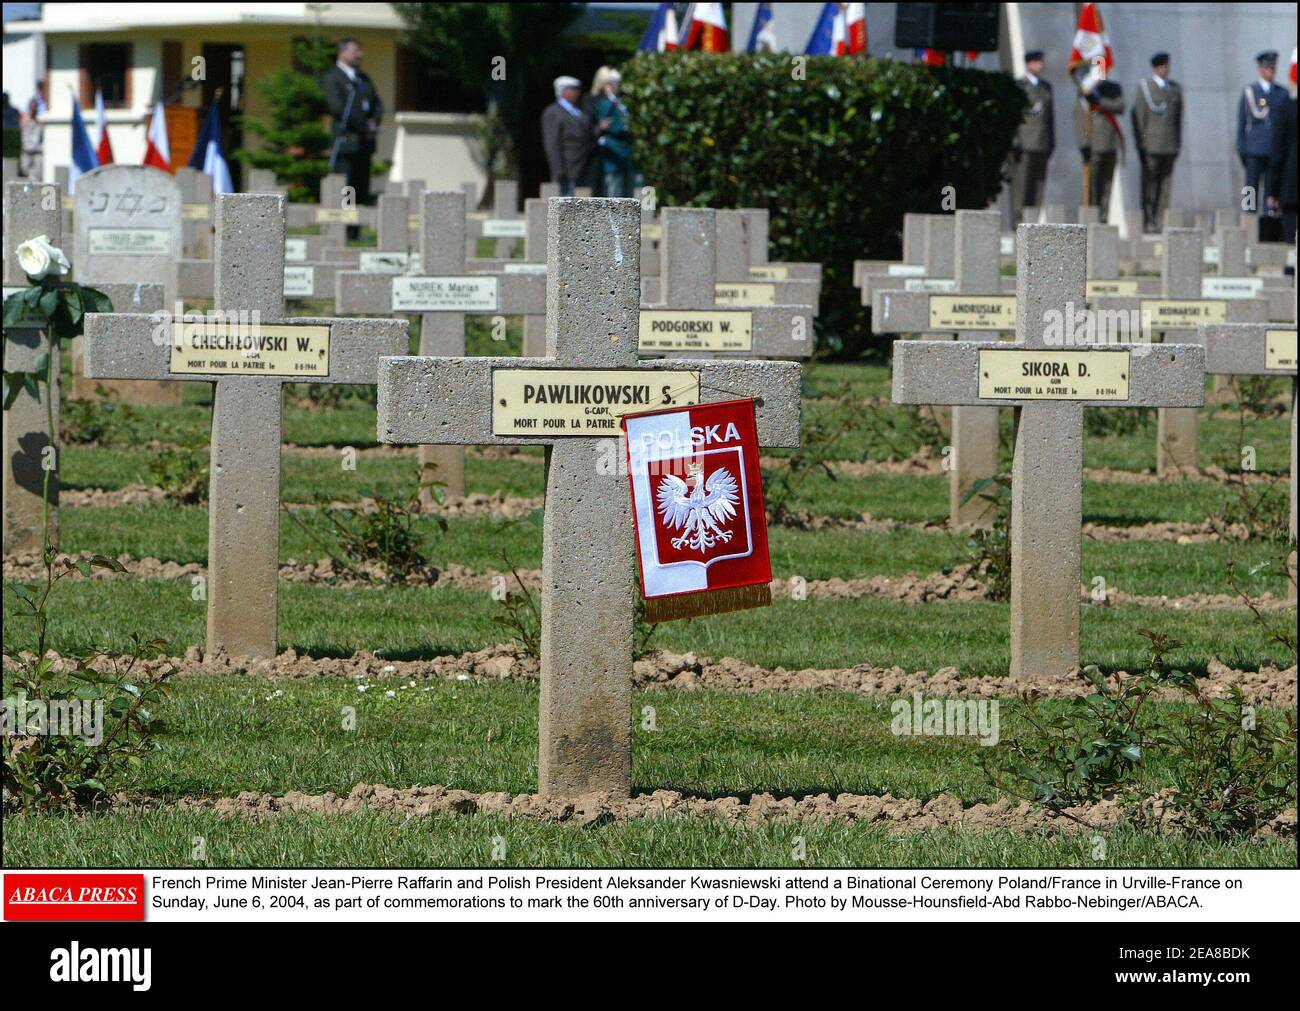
{"x":567,"y":136}
{"x":357,"y":110}
{"x":1035,"y":140}
{"x":1282,"y":167}
{"x":1260,"y":107}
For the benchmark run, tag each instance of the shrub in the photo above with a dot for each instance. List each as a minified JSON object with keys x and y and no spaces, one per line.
{"x":836,"y":158}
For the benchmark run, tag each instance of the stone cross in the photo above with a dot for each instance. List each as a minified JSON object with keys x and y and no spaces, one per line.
{"x":1257,"y":349}
{"x":30,"y":209}
{"x":588,"y":568}
{"x":735,"y":285}
{"x":1049,"y":383}
{"x":249,"y":350}
{"x":443,"y":294}
{"x":689,"y":322}
{"x":128,"y":221}
{"x":757,"y":227}
{"x":196,"y":212}
{"x":913,"y":254}
{"x":973,"y":258}
{"x":1179,"y":308}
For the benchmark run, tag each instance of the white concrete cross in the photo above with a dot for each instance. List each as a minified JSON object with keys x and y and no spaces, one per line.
{"x":1178,"y":309}
{"x":1256,"y":349}
{"x":1049,"y":383}
{"x":973,"y":259}
{"x":690,"y":323}
{"x":569,"y":402}
{"x":249,"y":350}
{"x":442,"y":294}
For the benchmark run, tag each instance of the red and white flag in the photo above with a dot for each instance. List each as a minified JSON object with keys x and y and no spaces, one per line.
{"x":856,"y":17}
{"x":1293,"y":78}
{"x":105,"y":149}
{"x":705,"y":29}
{"x":1091,"y":48}
{"x":158,"y":152}
{"x":697,"y":502}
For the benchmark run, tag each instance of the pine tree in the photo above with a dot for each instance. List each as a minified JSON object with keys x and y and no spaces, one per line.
{"x":296,"y":140}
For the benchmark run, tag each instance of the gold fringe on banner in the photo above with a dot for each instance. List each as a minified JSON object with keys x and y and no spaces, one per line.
{"x":694,"y":605}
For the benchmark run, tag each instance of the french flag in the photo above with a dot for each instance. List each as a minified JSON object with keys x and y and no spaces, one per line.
{"x":855,"y":15}
{"x":83,"y":152}
{"x":208,"y":157}
{"x":105,"y":150}
{"x":762,"y":37}
{"x":705,"y":29}
{"x":158,"y":151}
{"x":661,"y":34}
{"x":829,"y":37}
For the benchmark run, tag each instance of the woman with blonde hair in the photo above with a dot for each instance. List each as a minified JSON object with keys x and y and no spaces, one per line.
{"x":614,"y":139}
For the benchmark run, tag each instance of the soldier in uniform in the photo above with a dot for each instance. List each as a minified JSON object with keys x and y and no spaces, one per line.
{"x":1158,"y":133}
{"x":1035,"y":141}
{"x":1258,"y":111}
{"x":1097,"y":131}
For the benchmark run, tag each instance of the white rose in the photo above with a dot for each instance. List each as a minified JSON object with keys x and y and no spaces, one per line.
{"x":39,"y":259}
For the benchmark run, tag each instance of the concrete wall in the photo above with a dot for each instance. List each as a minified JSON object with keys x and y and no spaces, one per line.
{"x":1212,"y":48}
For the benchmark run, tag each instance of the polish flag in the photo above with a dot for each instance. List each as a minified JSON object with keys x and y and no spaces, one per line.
{"x":1091,"y":48}
{"x":706,"y":29}
{"x":697,"y":507}
{"x":158,"y":152}
{"x":1293,"y":80}
{"x":105,"y":149}
{"x":855,"y":15}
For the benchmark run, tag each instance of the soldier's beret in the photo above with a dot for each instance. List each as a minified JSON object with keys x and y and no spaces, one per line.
{"x":1160,"y":60}
{"x":1268,"y":58}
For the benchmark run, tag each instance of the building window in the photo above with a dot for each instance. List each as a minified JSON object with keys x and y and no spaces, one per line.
{"x":106,"y":67}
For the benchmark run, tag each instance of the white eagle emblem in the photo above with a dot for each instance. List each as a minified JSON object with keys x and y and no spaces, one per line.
{"x":701,"y":510}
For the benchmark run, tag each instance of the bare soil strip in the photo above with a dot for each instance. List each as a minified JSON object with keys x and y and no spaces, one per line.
{"x":894,"y":814}
{"x":963,"y":582}
{"x":661,"y":669}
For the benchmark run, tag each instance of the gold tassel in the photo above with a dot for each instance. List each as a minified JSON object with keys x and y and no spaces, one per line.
{"x":694,"y":605}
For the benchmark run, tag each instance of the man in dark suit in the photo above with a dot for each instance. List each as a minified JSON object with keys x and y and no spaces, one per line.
{"x":1035,"y":140}
{"x":1158,"y":132}
{"x":357,"y":110}
{"x":1258,"y":111}
{"x":567,"y":136}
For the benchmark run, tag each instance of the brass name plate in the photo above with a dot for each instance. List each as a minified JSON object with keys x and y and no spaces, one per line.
{"x":223,"y":348}
{"x":688,"y":330}
{"x":1116,"y":286}
{"x":1053,"y":375}
{"x":196,"y":212}
{"x":1280,"y":350}
{"x":744,"y":294}
{"x":583,"y":402}
{"x":338,"y":216}
{"x":1183,"y":313}
{"x":770,"y":272}
{"x":972,"y":312}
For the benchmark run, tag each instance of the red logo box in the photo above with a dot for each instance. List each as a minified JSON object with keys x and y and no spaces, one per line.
{"x":69,"y":896}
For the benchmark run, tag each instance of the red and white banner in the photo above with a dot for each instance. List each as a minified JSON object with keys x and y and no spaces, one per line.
{"x":697,"y":501}
{"x":158,"y":150}
{"x":856,"y":17}
{"x":105,"y":149}
{"x":1091,"y":47}
{"x":705,"y":29}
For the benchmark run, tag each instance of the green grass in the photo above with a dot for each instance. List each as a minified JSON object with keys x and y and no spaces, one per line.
{"x":411,"y":622}
{"x":179,"y":533}
{"x":224,"y":735}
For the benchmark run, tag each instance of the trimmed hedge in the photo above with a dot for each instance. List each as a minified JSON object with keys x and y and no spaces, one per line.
{"x":837,"y":158}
